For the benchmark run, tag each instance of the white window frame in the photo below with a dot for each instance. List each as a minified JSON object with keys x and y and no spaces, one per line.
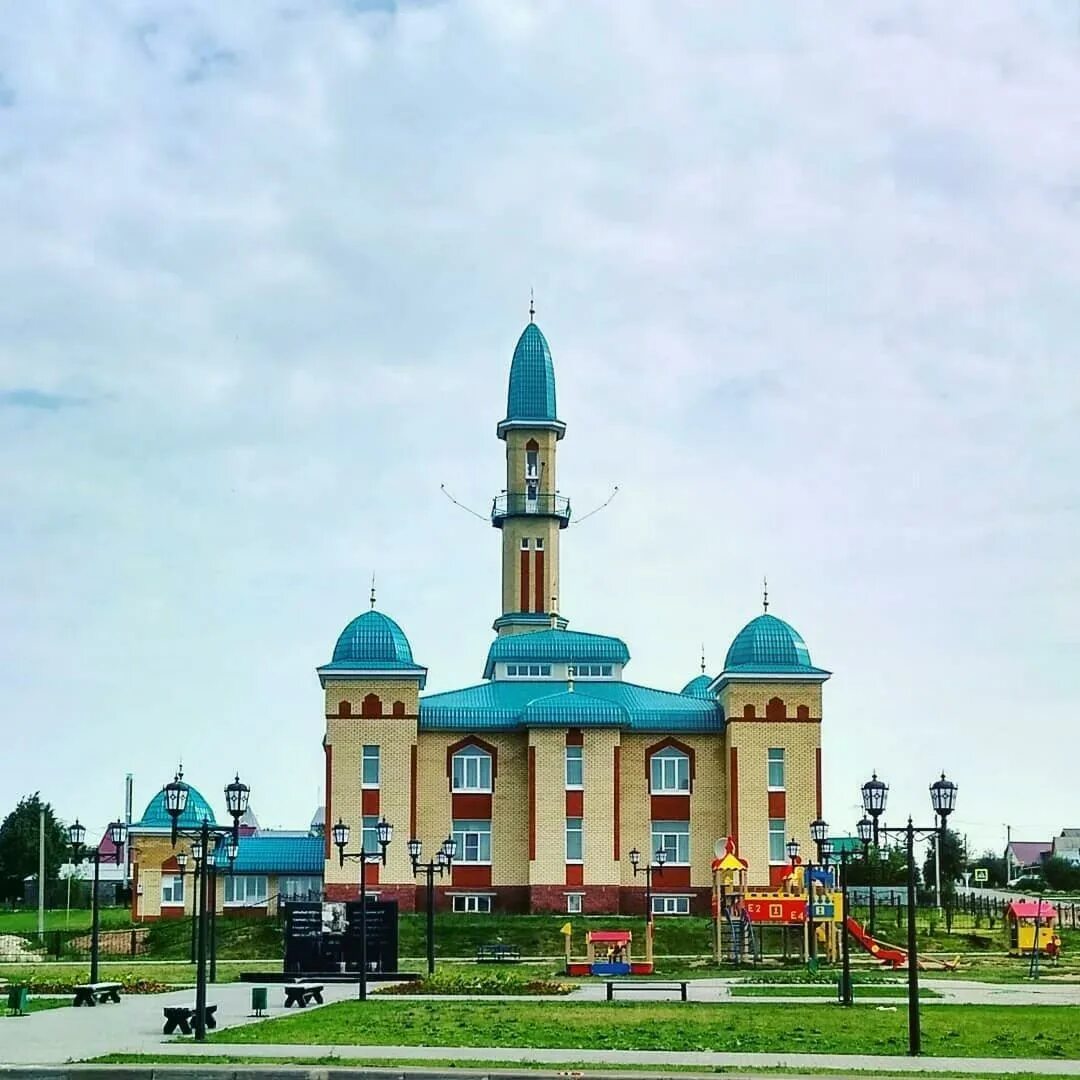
{"x":252,"y":897}
{"x":777,"y":827}
{"x":671,"y":836}
{"x":770,"y":761}
{"x":575,"y":903}
{"x":176,"y":882}
{"x":579,"y":828}
{"x":532,"y":464}
{"x":670,"y":904}
{"x":539,"y":543}
{"x":525,"y":543}
{"x":365,"y":757}
{"x":667,"y":764}
{"x":471,"y":904}
{"x":462,"y":830}
{"x":528,"y":671}
{"x":575,"y":754}
{"x":467,"y":757}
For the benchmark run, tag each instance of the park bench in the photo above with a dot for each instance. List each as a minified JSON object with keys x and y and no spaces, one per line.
{"x":672,"y":987}
{"x":183,"y":1016}
{"x":498,"y":954}
{"x":99,"y":993}
{"x":302,"y":994}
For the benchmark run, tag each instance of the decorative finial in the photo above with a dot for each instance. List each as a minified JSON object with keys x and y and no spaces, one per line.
{"x":372,"y":592}
{"x":765,"y":593}
{"x":703,"y":658}
{"x":532,"y":305}
{"x":554,"y":612}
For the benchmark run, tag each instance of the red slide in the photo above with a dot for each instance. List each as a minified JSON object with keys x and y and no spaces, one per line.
{"x":887,"y":954}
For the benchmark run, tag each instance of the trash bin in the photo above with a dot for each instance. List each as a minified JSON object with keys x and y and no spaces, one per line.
{"x":18,"y":1000}
{"x":258,"y":1000}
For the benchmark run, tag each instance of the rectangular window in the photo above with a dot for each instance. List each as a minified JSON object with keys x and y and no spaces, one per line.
{"x":369,"y":769}
{"x":172,"y":891}
{"x":575,"y":767}
{"x":539,"y":543}
{"x":248,"y":890}
{"x":524,"y":543}
{"x":370,"y":835}
{"x":573,"y":903}
{"x":528,"y":671}
{"x":776,"y":768}
{"x":473,"y":841}
{"x":777,"y":840}
{"x":669,"y":772}
{"x":575,"y":842}
{"x":291,"y":889}
{"x":472,"y":771}
{"x":473,"y":905}
{"x":532,"y":464}
{"x":674,"y":838}
{"x":671,"y":905}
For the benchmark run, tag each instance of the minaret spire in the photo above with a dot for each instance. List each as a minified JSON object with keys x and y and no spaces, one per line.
{"x":703,"y":658}
{"x":765,"y":594}
{"x":532,"y":306}
{"x":372,"y":592}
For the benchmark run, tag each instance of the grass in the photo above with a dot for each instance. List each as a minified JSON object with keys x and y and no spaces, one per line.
{"x":1046,"y":1031}
{"x":24,"y":921}
{"x":827,"y":990}
{"x":469,"y":981}
{"x":38,"y":1005}
{"x":127,"y":972}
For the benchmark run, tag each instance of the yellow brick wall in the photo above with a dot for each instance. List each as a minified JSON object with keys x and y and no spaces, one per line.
{"x":516,"y":440}
{"x":549,"y":867}
{"x":735,"y":696}
{"x":599,"y":756}
{"x":149,"y":851}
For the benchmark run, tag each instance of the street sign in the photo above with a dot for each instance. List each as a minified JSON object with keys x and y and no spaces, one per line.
{"x":982,"y":873}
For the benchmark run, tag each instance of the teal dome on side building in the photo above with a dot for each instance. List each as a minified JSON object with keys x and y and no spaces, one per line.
{"x":530,"y":400}
{"x":698,"y":687}
{"x":769,"y":645}
{"x":155,"y":816}
{"x":373,"y":640}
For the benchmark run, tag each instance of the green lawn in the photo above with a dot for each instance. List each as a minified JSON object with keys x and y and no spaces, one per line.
{"x":1047,"y":1031}
{"x":826,"y":990}
{"x":46,"y":977}
{"x":38,"y":1005}
{"x":23,"y":921}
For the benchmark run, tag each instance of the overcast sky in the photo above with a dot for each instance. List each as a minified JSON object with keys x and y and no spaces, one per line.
{"x":809,"y":273}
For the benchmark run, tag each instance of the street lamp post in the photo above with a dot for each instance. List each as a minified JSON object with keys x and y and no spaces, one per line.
{"x":875,"y":794}
{"x":384,"y":831}
{"x":842,"y":857}
{"x":792,"y":848}
{"x":943,"y":800}
{"x":176,"y":800}
{"x":648,"y":870}
{"x":77,"y":839}
{"x":227,"y":849}
{"x":441,"y":864}
{"x":819,"y":833}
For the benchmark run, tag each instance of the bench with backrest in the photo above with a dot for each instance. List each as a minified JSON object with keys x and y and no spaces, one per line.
{"x":182,"y":1017}
{"x":303,"y":993}
{"x":675,"y":986}
{"x":497,"y":954}
{"x":97,"y":993}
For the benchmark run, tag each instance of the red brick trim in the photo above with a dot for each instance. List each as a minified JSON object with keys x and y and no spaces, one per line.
{"x":532,"y":802}
{"x":412,"y":789}
{"x":776,"y":875}
{"x":344,"y":709}
{"x":817,"y":777}
{"x":663,"y":745}
{"x":673,"y":877}
{"x":575,"y":737}
{"x":669,"y":807}
{"x":575,"y":803}
{"x":524,"y":598}
{"x":369,"y":802}
{"x":396,"y":716}
{"x":470,"y":877}
{"x":371,"y":706}
{"x":538,"y":585}
{"x":171,"y":864}
{"x":777,"y":804}
{"x":733,"y":795}
{"x":616,"y":821}
{"x":472,"y":807}
{"x":780,"y":720}
{"x":471,"y":740}
{"x":575,"y":874}
{"x":328,"y":821}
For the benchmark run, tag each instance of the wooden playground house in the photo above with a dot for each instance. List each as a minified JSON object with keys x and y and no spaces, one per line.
{"x":607,"y":952}
{"x":1032,"y":926}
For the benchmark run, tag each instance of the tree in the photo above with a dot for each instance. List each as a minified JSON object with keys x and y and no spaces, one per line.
{"x":953,"y":862}
{"x":995,"y":866}
{"x":19,"y":841}
{"x":887,"y":866}
{"x":1061,"y":874}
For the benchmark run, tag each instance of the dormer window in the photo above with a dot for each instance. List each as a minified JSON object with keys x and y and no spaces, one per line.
{"x":471,"y":770}
{"x":528,"y":671}
{"x":669,"y":772}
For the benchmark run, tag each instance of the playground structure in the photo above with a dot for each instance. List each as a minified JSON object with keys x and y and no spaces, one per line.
{"x":1031,"y":927}
{"x":607,"y":952}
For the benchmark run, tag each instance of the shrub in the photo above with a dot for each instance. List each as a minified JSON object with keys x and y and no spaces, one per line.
{"x":467,"y":983}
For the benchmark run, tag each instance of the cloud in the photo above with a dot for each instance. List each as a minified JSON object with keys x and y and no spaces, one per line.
{"x":29,"y":398}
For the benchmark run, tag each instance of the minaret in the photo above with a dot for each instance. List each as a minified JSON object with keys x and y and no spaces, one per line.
{"x":530,"y":511}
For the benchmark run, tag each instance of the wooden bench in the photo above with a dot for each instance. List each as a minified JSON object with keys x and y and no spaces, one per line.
{"x":669,"y":986}
{"x":498,"y":954}
{"x":183,"y":1017}
{"x":302,"y":994}
{"x":97,"y":993}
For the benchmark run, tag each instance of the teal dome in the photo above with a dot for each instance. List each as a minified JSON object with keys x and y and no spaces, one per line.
{"x":531,"y":396}
{"x":698,"y":686}
{"x":768,"y":644}
{"x":156,"y":816}
{"x":373,"y":640}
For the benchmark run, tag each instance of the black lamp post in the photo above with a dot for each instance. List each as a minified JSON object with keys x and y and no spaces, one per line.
{"x":77,"y":839}
{"x":227,"y":849}
{"x":176,"y":800}
{"x":648,"y":870}
{"x":819,"y":833}
{"x":943,"y":800}
{"x":875,"y":794}
{"x":441,"y":864}
{"x":793,"y":847}
{"x":385,"y":832}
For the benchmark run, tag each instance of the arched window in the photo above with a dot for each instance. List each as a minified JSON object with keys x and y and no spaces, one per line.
{"x":371,"y":706}
{"x":471,"y":770}
{"x":669,"y":772}
{"x":344,"y":708}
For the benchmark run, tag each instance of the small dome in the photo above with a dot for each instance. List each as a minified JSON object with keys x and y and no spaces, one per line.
{"x":373,"y":640}
{"x":768,"y":644}
{"x":698,"y":686}
{"x":156,"y":816}
{"x":531,"y":396}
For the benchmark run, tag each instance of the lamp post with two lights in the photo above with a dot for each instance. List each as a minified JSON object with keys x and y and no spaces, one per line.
{"x":77,"y":838}
{"x":441,"y":864}
{"x":648,"y":870}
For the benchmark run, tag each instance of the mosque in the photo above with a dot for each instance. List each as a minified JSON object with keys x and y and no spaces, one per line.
{"x":553,"y":767}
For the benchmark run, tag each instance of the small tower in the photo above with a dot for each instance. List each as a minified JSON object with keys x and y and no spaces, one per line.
{"x":530,"y":511}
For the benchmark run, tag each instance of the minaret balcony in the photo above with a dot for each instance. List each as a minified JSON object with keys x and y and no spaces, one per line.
{"x":526,"y":504}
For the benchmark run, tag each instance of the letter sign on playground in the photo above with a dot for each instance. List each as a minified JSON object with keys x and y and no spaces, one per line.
{"x":982,"y":873}
{"x":776,"y":910}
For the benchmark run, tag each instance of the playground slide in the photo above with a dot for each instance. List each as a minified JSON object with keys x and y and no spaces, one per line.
{"x":887,"y":954}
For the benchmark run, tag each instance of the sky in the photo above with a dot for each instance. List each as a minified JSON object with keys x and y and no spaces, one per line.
{"x":809,"y":276}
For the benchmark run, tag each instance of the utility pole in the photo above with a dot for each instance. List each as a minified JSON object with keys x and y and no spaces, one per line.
{"x":41,"y":872}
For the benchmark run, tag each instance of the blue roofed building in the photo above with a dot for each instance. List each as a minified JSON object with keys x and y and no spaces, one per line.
{"x":553,"y":764}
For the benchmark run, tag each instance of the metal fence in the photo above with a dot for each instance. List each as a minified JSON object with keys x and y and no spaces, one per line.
{"x":31,"y":947}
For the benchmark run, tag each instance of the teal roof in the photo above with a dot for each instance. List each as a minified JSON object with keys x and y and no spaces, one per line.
{"x":271,"y":854}
{"x":155,"y":816}
{"x":698,"y":687}
{"x":768,"y":645}
{"x":372,"y":642}
{"x":514,"y":704}
{"x":531,"y":396}
{"x":556,"y":647}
